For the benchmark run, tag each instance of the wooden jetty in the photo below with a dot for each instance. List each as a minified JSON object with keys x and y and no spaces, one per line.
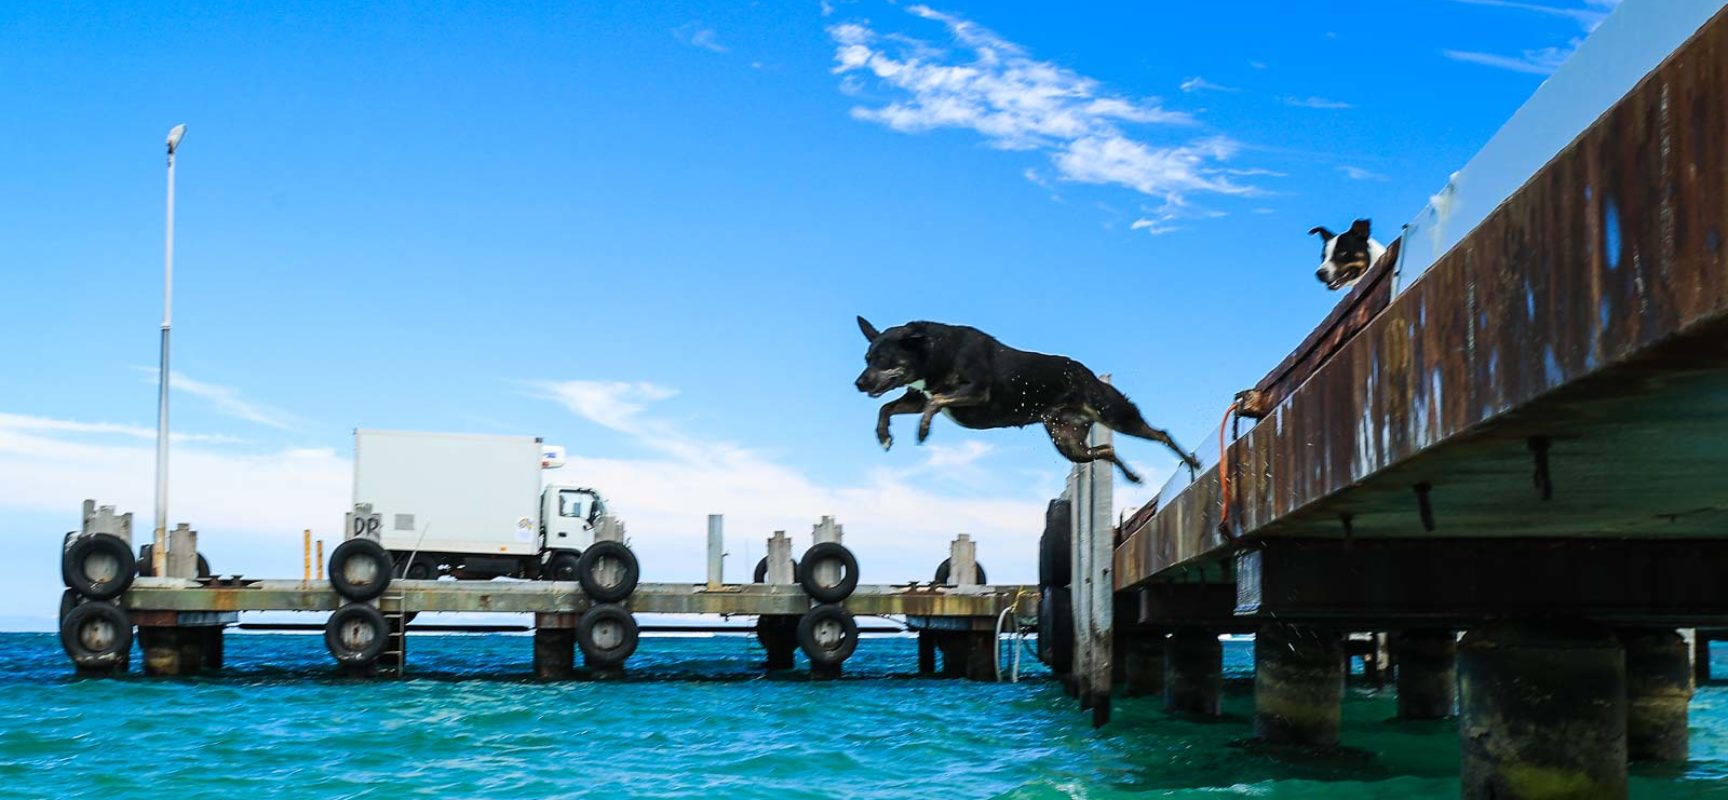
{"x":181,"y":619}
{"x":1510,"y":461}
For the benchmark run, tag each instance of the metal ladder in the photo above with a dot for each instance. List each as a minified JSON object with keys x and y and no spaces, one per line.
{"x":394,"y":659}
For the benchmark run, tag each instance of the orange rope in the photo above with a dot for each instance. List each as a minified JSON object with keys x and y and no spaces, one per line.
{"x":1224,"y":475}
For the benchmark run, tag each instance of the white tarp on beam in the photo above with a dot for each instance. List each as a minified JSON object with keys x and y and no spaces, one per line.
{"x":1630,"y":43}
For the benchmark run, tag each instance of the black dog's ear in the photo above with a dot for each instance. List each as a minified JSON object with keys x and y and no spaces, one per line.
{"x":1360,"y":228}
{"x":870,"y":332}
{"x":1321,"y":229}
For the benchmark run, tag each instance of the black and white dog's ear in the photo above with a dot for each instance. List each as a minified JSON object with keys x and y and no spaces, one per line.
{"x":1360,"y":228}
{"x":870,"y":332}
{"x":1321,"y":229}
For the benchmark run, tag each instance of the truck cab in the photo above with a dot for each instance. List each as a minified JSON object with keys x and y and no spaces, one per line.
{"x":568,"y":515}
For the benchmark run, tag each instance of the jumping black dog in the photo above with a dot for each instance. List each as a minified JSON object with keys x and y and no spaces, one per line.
{"x":981,"y":383}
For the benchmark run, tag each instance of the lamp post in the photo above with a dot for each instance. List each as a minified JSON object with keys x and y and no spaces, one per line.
{"x":159,"y":553}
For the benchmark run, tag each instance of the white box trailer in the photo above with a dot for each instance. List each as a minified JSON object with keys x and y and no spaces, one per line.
{"x":472,"y":505}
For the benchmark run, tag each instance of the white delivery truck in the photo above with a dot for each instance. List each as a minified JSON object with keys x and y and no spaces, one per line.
{"x":473,"y":507}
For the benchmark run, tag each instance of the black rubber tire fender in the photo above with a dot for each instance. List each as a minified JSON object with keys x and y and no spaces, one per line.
{"x":68,"y":601}
{"x":357,"y":549}
{"x":562,"y":565}
{"x":828,"y":551}
{"x":827,"y":656}
{"x":1061,"y":631}
{"x":83,"y":548}
{"x":356,"y":614}
{"x":1046,"y":625}
{"x":598,"y":655}
{"x":1054,"y":545}
{"x":761,"y":573}
{"x":96,"y":634}
{"x":945,"y":570}
{"x":589,"y":564}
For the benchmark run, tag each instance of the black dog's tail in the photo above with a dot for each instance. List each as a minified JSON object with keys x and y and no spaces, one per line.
{"x":1119,"y":414}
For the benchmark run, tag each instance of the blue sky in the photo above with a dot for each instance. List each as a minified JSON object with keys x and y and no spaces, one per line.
{"x":644,"y":232}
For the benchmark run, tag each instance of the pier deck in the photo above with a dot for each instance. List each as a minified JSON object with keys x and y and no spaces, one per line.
{"x":978,"y":605}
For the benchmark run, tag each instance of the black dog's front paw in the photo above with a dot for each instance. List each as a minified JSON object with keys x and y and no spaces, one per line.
{"x":885,"y":439}
{"x":923,"y":431}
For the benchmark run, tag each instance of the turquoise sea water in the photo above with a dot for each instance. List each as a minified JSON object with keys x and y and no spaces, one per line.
{"x":694,"y":719}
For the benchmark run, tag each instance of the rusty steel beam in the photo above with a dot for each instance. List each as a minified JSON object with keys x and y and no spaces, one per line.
{"x":1586,"y":317}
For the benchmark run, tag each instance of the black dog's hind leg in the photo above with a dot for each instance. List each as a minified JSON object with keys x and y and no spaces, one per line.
{"x":1070,"y":441}
{"x":937,"y":402}
{"x":912,"y":402}
{"x":1119,"y":414}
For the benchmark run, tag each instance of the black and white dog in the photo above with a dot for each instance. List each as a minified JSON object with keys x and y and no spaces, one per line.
{"x":1344,"y":257}
{"x":981,"y":383}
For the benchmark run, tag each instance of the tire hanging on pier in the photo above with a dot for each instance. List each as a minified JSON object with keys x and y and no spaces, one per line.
{"x":945,"y":570}
{"x":360,"y":569}
{"x":356,"y":633}
{"x":761,"y":574}
{"x":828,"y":635}
{"x":607,"y":635}
{"x":147,"y":565}
{"x":821,"y":588}
{"x":608,"y":572}
{"x":1055,"y":560}
{"x":96,"y":635}
{"x":1060,"y":629}
{"x":99,"y":566}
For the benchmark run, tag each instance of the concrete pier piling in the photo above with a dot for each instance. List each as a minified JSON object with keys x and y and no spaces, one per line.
{"x":926,"y":653}
{"x":173,"y":650}
{"x":1194,"y":673}
{"x":1143,"y":665}
{"x":1298,"y":685}
{"x":554,"y":646}
{"x":968,"y":654}
{"x":1658,"y":693}
{"x":1542,"y":711}
{"x":1427,"y":673}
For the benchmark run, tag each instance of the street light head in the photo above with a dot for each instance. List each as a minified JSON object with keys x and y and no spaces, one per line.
{"x":174,"y":136}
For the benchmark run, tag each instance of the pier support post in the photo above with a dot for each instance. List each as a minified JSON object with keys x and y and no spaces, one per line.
{"x":778,"y":635}
{"x":172,"y":650}
{"x":1542,"y":711}
{"x":1701,"y":656}
{"x":554,"y":646}
{"x":1193,"y":672}
{"x":1427,"y":673}
{"x":1143,"y":663}
{"x":1658,"y":692}
{"x":1298,"y":685}
{"x":926,"y":652}
{"x":968,"y":654}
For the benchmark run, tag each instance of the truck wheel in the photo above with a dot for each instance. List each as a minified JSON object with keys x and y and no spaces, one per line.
{"x":96,"y":635}
{"x":418,"y":567}
{"x":829,"y":558}
{"x":564,"y":565}
{"x":607,"y":634}
{"x":356,"y":633}
{"x":360,"y":569}
{"x":761,"y":574}
{"x":99,"y":566}
{"x":828,"y":634}
{"x":608,"y":572}
{"x":944,"y":569}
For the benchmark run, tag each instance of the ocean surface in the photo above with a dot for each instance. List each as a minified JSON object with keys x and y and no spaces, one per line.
{"x":695,"y":718}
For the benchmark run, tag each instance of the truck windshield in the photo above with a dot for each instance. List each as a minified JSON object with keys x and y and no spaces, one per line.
{"x":573,"y":504}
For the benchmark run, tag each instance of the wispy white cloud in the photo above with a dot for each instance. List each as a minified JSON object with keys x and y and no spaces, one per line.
{"x":1588,"y":14}
{"x":1316,"y":102}
{"x":1199,"y":84}
{"x":993,"y":87}
{"x":696,"y":35}
{"x":1360,"y":174}
{"x":1542,"y":61}
{"x":25,"y":422}
{"x":226,"y":400}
